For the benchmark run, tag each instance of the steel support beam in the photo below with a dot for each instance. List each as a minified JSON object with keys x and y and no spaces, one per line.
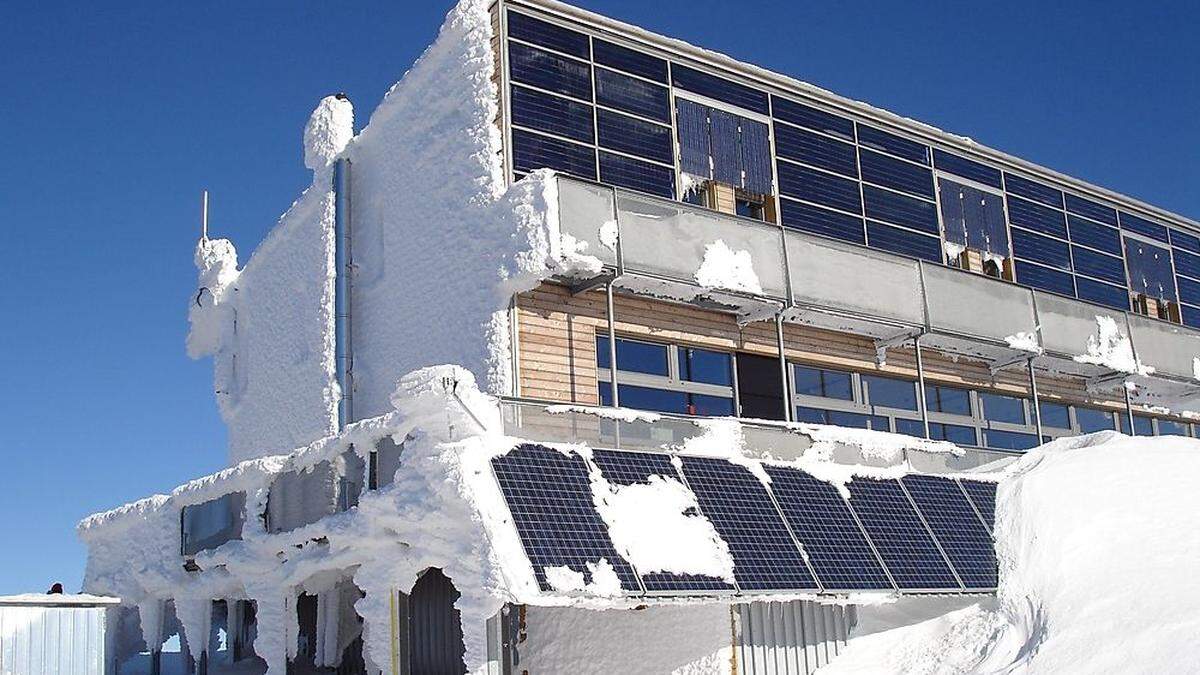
{"x":1037,"y":406}
{"x":788,"y":416}
{"x":921,"y":386}
{"x":612,"y":342}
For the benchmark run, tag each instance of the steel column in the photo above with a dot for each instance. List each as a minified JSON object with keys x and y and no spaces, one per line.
{"x":1129,"y":408}
{"x":612,"y":343}
{"x":783,"y":369}
{"x":1037,"y":408}
{"x":921,"y":386}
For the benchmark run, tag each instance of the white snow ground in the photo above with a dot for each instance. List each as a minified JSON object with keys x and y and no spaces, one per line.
{"x":1098,"y":547}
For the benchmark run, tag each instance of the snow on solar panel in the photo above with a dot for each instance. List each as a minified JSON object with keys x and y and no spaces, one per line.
{"x":740,"y":508}
{"x":836,"y":546}
{"x":957,"y":528}
{"x":983,"y":496}
{"x":909,"y":552}
{"x":550,"y":497}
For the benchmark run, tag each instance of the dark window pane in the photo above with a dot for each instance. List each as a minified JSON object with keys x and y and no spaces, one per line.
{"x":849,"y":419}
{"x":910,"y":427}
{"x":628,"y":60}
{"x":1037,"y":217}
{"x":1045,"y":278}
{"x":819,"y":187}
{"x":1172,"y":428}
{"x":1142,"y":425}
{"x":1142,"y":226}
{"x":1189,"y":290}
{"x":841,"y":418}
{"x":532,"y":151}
{"x":815,"y":149}
{"x":811,"y":118}
{"x":632,"y":95}
{"x":756,"y":157}
{"x":1091,"y":420}
{"x":1041,"y":249}
{"x":823,"y":383}
{"x":820,"y":221}
{"x":1108,"y":295}
{"x":1185,"y":241}
{"x":1055,"y":415}
{"x":549,"y":71}
{"x":959,"y":435}
{"x":1186,"y":263}
{"x":1106,"y":267}
{"x":1097,"y":236}
{"x":634,"y":136}
{"x":633,"y":356}
{"x":1093,"y":210}
{"x":883,"y":170}
{"x":723,"y":139}
{"x":546,"y":112}
{"x":1010,"y":440}
{"x":703,"y":365}
{"x":947,"y":400}
{"x":1000,"y":408}
{"x":719,"y":89}
{"x":692,"y":123}
{"x":973,"y":218}
{"x":960,"y":166}
{"x":892,"y":144}
{"x":645,"y":398}
{"x":904,"y":242}
{"x":546,"y":34}
{"x":891,"y":207}
{"x":1149,"y":269}
{"x":637,"y":175}
{"x":891,"y":393}
{"x":712,"y":406}
{"x":1033,"y":190}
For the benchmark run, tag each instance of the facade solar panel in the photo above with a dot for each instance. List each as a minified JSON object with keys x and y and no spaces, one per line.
{"x":634,"y":136}
{"x":1186,"y":242}
{"x":1045,"y":278}
{"x":1186,"y":263}
{"x":635,"y":174}
{"x":719,"y":89}
{"x":1150,"y":270}
{"x":1037,"y":217}
{"x":1041,"y":249}
{"x":1189,"y":290}
{"x":632,"y":95}
{"x":816,"y":150}
{"x":726,"y":155}
{"x":811,"y":118}
{"x":960,"y":166}
{"x":1144,"y":227}
{"x":821,"y":221}
{"x":904,"y":242}
{"x":550,"y":497}
{"x":893,"y":145}
{"x":1191,"y":316}
{"x":533,"y":151}
{"x":545,"y":70}
{"x":1096,"y":236}
{"x":835,"y":545}
{"x":1108,"y":295}
{"x":546,"y":34}
{"x":893,"y":173}
{"x":966,"y":542}
{"x":819,"y":187}
{"x":691,"y":119}
{"x":552,"y":114}
{"x":756,"y":157}
{"x":1098,"y":265}
{"x":899,"y":209}
{"x":1091,"y":209}
{"x":904,"y":544}
{"x":629,"y":60}
{"x":740,"y":508}
{"x":1023,"y":187}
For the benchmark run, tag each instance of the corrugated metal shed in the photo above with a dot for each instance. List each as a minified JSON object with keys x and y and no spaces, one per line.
{"x":54,"y":634}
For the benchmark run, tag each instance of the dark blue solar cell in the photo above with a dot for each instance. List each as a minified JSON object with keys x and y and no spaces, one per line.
{"x":961,"y":166}
{"x":1041,"y":249}
{"x":634,"y":136}
{"x":1093,"y":210}
{"x":548,"y":71}
{"x":691,"y":120}
{"x":1037,"y":217}
{"x":904,"y":242}
{"x":973,"y":217}
{"x":756,"y":157}
{"x":816,"y":150}
{"x":1099,"y":237}
{"x":546,"y":34}
{"x":893,"y":145}
{"x":723,"y":139}
{"x":836,"y":547}
{"x":819,"y":187}
{"x":1185,"y":241}
{"x":1045,"y":278}
{"x":637,"y":175}
{"x":1189,"y":290}
{"x":1029,"y":189}
{"x":957,"y":527}
{"x":983,"y":496}
{"x":764,"y":554}
{"x":904,"y":176}
{"x":719,"y":89}
{"x":532,"y":151}
{"x":902,"y":541}
{"x":550,"y":497}
{"x":820,"y":221}
{"x":1108,"y":295}
{"x":1142,"y":226}
{"x":896,"y":208}
{"x":1186,"y":263}
{"x":628,"y":468}
{"x":1093,"y":264}
{"x":552,"y":114}
{"x":1191,"y":316}
{"x":811,"y":118}
{"x":632,"y":95}
{"x":1150,"y":270}
{"x":629,"y":60}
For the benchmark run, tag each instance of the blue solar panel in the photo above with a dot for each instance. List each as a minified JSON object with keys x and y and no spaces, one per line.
{"x":960,"y":166}
{"x":909,"y":552}
{"x":546,"y":112}
{"x":983,"y":496}
{"x":549,"y":71}
{"x":1093,"y":264}
{"x":719,"y":89}
{"x":629,"y":60}
{"x":1108,"y":295}
{"x":819,"y":187}
{"x":1099,"y":237}
{"x":1189,"y":290}
{"x":811,"y":118}
{"x":723,"y":139}
{"x":820,"y":221}
{"x":634,"y":136}
{"x":835,"y":544}
{"x":896,"y":208}
{"x":1041,"y":249}
{"x":628,"y":468}
{"x":1033,"y":190}
{"x":1186,"y":263}
{"x":692,"y":124}
{"x":893,"y":173}
{"x":904,"y":242}
{"x":815,"y":149}
{"x":1093,"y":210}
{"x":637,"y":175}
{"x":632,"y":95}
{"x":1045,"y":278}
{"x":533,"y":151}
{"x":957,"y":527}
{"x":1185,"y":241}
{"x":756,"y":156}
{"x":764,"y":554}
{"x":894,"y":145}
{"x":1191,"y":316}
{"x":546,"y":34}
{"x":550,"y":497}
{"x":1037,"y":217}
{"x":1142,"y":226}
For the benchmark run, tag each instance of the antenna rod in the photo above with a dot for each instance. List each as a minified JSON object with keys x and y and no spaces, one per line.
{"x":204,"y":216}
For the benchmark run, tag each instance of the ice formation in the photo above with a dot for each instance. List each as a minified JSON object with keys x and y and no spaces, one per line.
{"x":1111,"y":348}
{"x":329,"y":129}
{"x":728,"y":269}
{"x":1026,"y":341}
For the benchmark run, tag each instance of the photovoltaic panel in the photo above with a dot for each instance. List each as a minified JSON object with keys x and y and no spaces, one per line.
{"x":899,"y":209}
{"x":765,"y":556}
{"x":637,"y":175}
{"x":1037,"y":217}
{"x":629,"y":60}
{"x":957,"y":528}
{"x":723,"y":139}
{"x":1033,"y":190}
{"x":1142,"y":226}
{"x":632,"y":95}
{"x":893,"y":173}
{"x":719,"y":89}
{"x":820,"y":221}
{"x":904,"y":242}
{"x":1090,"y":209}
{"x":909,"y":552}
{"x":546,"y":34}
{"x":811,"y":118}
{"x":819,"y":187}
{"x":552,"y":114}
{"x":1045,"y":278}
{"x":816,"y":150}
{"x":983,"y":496}
{"x":836,"y":546}
{"x":1093,"y":264}
{"x":634,"y":136}
{"x":961,"y":166}
{"x":1186,"y":263}
{"x":1038,"y":248}
{"x":549,"y":71}
{"x":756,"y":156}
{"x":628,"y":468}
{"x":550,"y":497}
{"x":892,"y":144}
{"x":1108,"y":295}
{"x":534,"y":151}
{"x":1185,"y":241}
{"x":692,"y":126}
{"x":1099,"y":237}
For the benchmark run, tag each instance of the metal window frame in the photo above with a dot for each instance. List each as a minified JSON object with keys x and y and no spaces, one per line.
{"x":673,"y":380}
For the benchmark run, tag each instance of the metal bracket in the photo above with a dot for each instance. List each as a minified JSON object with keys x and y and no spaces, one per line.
{"x":1106,"y":381}
{"x":592,"y":283}
{"x":1018,"y":359}
{"x":883,"y":344}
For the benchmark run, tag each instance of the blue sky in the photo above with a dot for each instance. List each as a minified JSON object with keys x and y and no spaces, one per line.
{"x":115,"y":116}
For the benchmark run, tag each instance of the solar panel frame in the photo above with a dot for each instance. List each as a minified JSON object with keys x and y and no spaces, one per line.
{"x":957,"y":527}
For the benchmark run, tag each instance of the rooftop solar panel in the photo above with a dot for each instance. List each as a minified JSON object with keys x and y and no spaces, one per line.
{"x":764,"y":554}
{"x":628,"y":468}
{"x":957,"y":527}
{"x":836,"y":546}
{"x":894,"y":527}
{"x":983,"y":496}
{"x":550,"y":497}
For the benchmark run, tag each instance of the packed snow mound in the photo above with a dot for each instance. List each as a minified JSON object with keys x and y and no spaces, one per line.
{"x":329,"y":129}
{"x":1097,"y":544}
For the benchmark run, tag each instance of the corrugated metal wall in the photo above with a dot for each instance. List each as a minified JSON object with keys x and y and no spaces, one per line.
{"x":52,"y":640}
{"x":789,"y":638}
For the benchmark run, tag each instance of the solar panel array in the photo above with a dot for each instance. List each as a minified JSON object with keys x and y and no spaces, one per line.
{"x":790,"y":533}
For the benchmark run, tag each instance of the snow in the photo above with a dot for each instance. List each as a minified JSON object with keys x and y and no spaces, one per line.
{"x":329,"y":129}
{"x":1026,"y":341}
{"x":728,"y":269}
{"x":619,"y":414}
{"x":1111,"y":348}
{"x":81,"y":599}
{"x":604,"y":583}
{"x":1096,"y":551}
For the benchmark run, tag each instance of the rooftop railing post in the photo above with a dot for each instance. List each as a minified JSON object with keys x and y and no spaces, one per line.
{"x":1037,"y":406}
{"x":921,"y":386}
{"x":612,"y":343}
{"x":783,"y":368}
{"x":1129,"y":407}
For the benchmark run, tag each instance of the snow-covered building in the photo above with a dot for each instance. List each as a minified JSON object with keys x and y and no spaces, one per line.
{"x":733,"y":358}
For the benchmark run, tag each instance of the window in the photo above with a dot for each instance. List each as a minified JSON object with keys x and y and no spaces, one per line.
{"x":667,"y":378}
{"x":633,"y":356}
{"x":1172,"y":428}
{"x":1010,"y":440}
{"x":1150,"y":270}
{"x":947,"y":400}
{"x":938,"y":431}
{"x":1143,"y":426}
{"x":842,"y":418}
{"x":751,"y":208}
{"x":720,"y":146}
{"x":1055,"y":415}
{"x":823,"y":383}
{"x":1000,"y":408}
{"x":972,"y":219}
{"x":703,"y":365}
{"x":890,"y":393}
{"x":1091,"y":420}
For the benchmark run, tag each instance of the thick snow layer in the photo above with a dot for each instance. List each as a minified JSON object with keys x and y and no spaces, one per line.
{"x":1111,"y":348}
{"x":1026,"y":341}
{"x":1097,"y":551}
{"x":728,"y":269}
{"x":329,"y":129}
